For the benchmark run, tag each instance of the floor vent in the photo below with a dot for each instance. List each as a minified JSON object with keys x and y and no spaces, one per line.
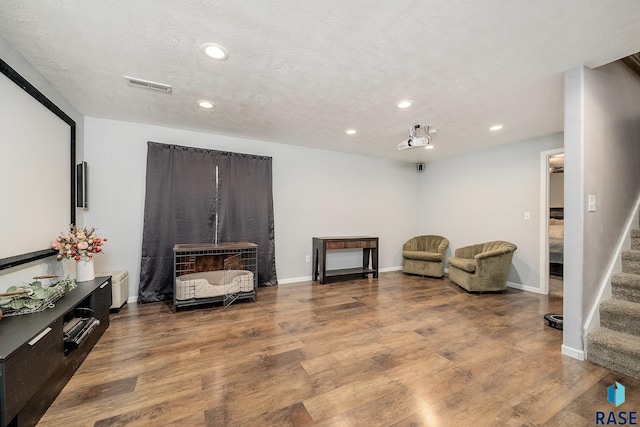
{"x":148,"y":85}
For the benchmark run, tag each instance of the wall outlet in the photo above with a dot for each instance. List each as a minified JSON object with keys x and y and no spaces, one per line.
{"x":307,"y":258}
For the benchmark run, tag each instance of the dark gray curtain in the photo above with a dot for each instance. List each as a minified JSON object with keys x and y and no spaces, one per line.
{"x":184,"y":205}
{"x":242,"y":213}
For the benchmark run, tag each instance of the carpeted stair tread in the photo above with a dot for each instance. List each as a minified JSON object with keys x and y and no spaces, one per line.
{"x":635,"y":239}
{"x":631,"y":261}
{"x":631,"y":254}
{"x":620,"y":315}
{"x":614,"y":350}
{"x":626,"y":286}
{"x":616,"y":343}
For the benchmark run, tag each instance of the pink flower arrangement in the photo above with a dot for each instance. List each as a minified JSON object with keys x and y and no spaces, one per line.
{"x":78,"y":243}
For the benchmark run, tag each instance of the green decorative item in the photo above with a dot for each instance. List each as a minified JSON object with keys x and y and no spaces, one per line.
{"x":33,"y":297}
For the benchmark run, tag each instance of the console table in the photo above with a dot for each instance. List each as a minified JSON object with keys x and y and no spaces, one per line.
{"x":34,"y":366}
{"x":321,"y":245}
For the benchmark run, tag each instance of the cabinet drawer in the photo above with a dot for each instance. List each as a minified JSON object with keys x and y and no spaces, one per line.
{"x":353,"y":244}
{"x":31,"y":366}
{"x":362,"y":244}
{"x":336,"y":245}
{"x":101,"y":302}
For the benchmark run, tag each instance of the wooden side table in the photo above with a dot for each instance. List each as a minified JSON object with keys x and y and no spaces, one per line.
{"x":321,"y":245}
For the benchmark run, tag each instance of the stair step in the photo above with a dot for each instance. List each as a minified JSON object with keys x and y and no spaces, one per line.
{"x":614,"y":350}
{"x":631,"y":261}
{"x":635,"y":239}
{"x":626,"y":287}
{"x":621,"y":316}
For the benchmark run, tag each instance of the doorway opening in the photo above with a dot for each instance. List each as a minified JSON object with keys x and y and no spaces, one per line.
{"x":552,"y":222}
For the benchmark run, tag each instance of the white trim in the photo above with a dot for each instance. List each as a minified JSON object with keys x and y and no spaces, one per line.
{"x":544,"y":218}
{"x":294,"y":280}
{"x":593,"y":320}
{"x":524,"y":288}
{"x":134,"y":299}
{"x":310,"y":278}
{"x":574,"y":147}
{"x":573,"y":352}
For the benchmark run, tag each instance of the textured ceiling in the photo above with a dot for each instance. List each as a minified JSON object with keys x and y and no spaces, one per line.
{"x":302,"y":72}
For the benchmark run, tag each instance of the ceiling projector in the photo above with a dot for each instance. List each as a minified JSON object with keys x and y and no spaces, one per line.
{"x":414,"y":142}
{"x":418,"y":141}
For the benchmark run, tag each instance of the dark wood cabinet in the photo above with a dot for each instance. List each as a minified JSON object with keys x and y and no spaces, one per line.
{"x":33,"y":364}
{"x":25,"y":372}
{"x":101,"y":304}
{"x":321,"y":245}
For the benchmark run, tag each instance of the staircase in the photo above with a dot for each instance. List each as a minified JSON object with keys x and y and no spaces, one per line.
{"x":616,"y":343}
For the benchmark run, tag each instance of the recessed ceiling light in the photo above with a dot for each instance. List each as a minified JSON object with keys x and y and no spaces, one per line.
{"x":351,"y":131}
{"x":495,"y":127}
{"x":215,"y":51}
{"x":206,"y":104}
{"x":428,"y":147}
{"x":404,"y":104}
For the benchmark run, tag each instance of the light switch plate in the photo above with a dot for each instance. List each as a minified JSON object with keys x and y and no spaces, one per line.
{"x":592,"y":203}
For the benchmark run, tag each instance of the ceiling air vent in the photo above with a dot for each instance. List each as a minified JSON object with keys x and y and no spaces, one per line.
{"x":148,"y":85}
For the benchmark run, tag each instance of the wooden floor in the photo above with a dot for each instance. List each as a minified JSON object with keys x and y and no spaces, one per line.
{"x":395,"y":351}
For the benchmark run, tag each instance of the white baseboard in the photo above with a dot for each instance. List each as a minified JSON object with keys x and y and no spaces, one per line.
{"x":294,"y":280}
{"x":309,"y":278}
{"x":573,"y":352}
{"x":134,"y":299}
{"x":524,"y":288}
{"x":399,"y":268}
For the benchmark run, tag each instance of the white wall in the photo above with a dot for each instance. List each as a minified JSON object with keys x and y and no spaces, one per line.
{"x":611,"y":164}
{"x":602,"y":158}
{"x":483,"y":196}
{"x":316,"y":193}
{"x":24,"y":273}
{"x":556,"y":190}
{"x":573,"y":215}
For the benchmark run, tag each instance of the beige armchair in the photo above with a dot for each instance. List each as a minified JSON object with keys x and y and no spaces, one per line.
{"x":425,"y":255}
{"x":482,"y":267}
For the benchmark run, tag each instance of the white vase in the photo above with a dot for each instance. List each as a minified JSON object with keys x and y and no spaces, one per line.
{"x":85,"y":270}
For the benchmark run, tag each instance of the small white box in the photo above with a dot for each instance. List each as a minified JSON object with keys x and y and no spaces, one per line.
{"x":119,"y":288}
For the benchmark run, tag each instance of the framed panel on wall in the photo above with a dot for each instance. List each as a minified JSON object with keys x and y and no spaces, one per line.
{"x":37,"y":169}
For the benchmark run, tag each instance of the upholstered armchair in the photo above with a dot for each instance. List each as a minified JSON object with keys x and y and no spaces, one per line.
{"x":482,"y":267}
{"x":425,"y":255}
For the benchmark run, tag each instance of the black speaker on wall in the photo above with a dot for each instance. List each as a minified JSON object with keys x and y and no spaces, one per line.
{"x":420,"y":167}
{"x":81,"y":185}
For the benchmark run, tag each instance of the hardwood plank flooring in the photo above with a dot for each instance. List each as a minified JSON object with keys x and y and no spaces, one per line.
{"x":400,"y":350}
